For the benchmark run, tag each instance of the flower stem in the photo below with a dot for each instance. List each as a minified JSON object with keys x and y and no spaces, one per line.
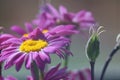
{"x":66,"y":60}
{"x":108,"y":61}
{"x":34,"y":71}
{"x":92,"y":64}
{"x":41,"y":75}
{"x":66,"y":56}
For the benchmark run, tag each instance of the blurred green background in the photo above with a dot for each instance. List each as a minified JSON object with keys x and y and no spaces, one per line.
{"x":106,"y":13}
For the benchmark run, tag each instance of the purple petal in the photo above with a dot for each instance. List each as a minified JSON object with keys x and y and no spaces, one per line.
{"x":40,"y":64}
{"x":10,"y":60}
{"x":60,"y":74}
{"x":50,"y":49}
{"x":62,"y":27}
{"x":60,"y":54}
{"x":63,"y":10}
{"x":37,"y":34}
{"x":44,"y":56}
{"x":12,"y":40}
{"x":19,"y":62}
{"x":29,"y":27}
{"x":28,"y":61}
{"x":10,"y":78}
{"x":34,"y":55}
{"x":81,"y":75}
{"x":52,"y":10}
{"x":51,"y":72}
{"x":29,"y":78}
{"x":18,"y":30}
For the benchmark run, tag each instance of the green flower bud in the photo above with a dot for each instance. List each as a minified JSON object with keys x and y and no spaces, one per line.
{"x":93,"y":44}
{"x":93,"y":47}
{"x":118,"y":40}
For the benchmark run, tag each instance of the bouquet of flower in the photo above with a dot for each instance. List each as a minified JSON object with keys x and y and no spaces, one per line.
{"x":50,"y":34}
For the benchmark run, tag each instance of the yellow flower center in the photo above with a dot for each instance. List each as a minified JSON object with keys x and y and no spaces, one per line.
{"x":32,"y":45}
{"x":44,"y":31}
{"x":25,"y":35}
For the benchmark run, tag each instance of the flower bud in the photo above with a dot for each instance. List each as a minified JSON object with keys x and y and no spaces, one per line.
{"x":118,"y":40}
{"x":92,"y":48}
{"x":93,"y":44}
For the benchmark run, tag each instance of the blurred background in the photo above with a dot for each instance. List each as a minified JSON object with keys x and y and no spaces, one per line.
{"x":106,"y":13}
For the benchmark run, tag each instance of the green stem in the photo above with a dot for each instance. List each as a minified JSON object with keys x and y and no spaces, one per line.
{"x":108,"y":61}
{"x":92,"y":65}
{"x":66,"y":55}
{"x":66,"y":60}
{"x":41,"y":75}
{"x":34,"y":71}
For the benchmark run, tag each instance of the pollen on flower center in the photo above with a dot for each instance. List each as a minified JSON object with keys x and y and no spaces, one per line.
{"x":44,"y":31}
{"x":25,"y":35}
{"x":32,"y":45}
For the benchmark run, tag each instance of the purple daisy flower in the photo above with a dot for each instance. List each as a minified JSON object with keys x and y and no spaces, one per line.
{"x":84,"y":74}
{"x":84,"y":19}
{"x":57,"y":16}
{"x":36,"y":47}
{"x":61,"y":15}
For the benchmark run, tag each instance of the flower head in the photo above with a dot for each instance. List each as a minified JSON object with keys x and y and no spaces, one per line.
{"x":61,"y":15}
{"x":84,"y":19}
{"x":36,"y":47}
{"x":93,"y":44}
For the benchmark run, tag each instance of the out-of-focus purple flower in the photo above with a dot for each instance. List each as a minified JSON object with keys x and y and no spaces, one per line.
{"x":22,"y":32}
{"x":80,"y":75}
{"x":50,"y":17}
{"x":56,"y":74}
{"x":8,"y":78}
{"x":36,"y":47}
{"x":84,"y":18}
{"x":61,"y":15}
